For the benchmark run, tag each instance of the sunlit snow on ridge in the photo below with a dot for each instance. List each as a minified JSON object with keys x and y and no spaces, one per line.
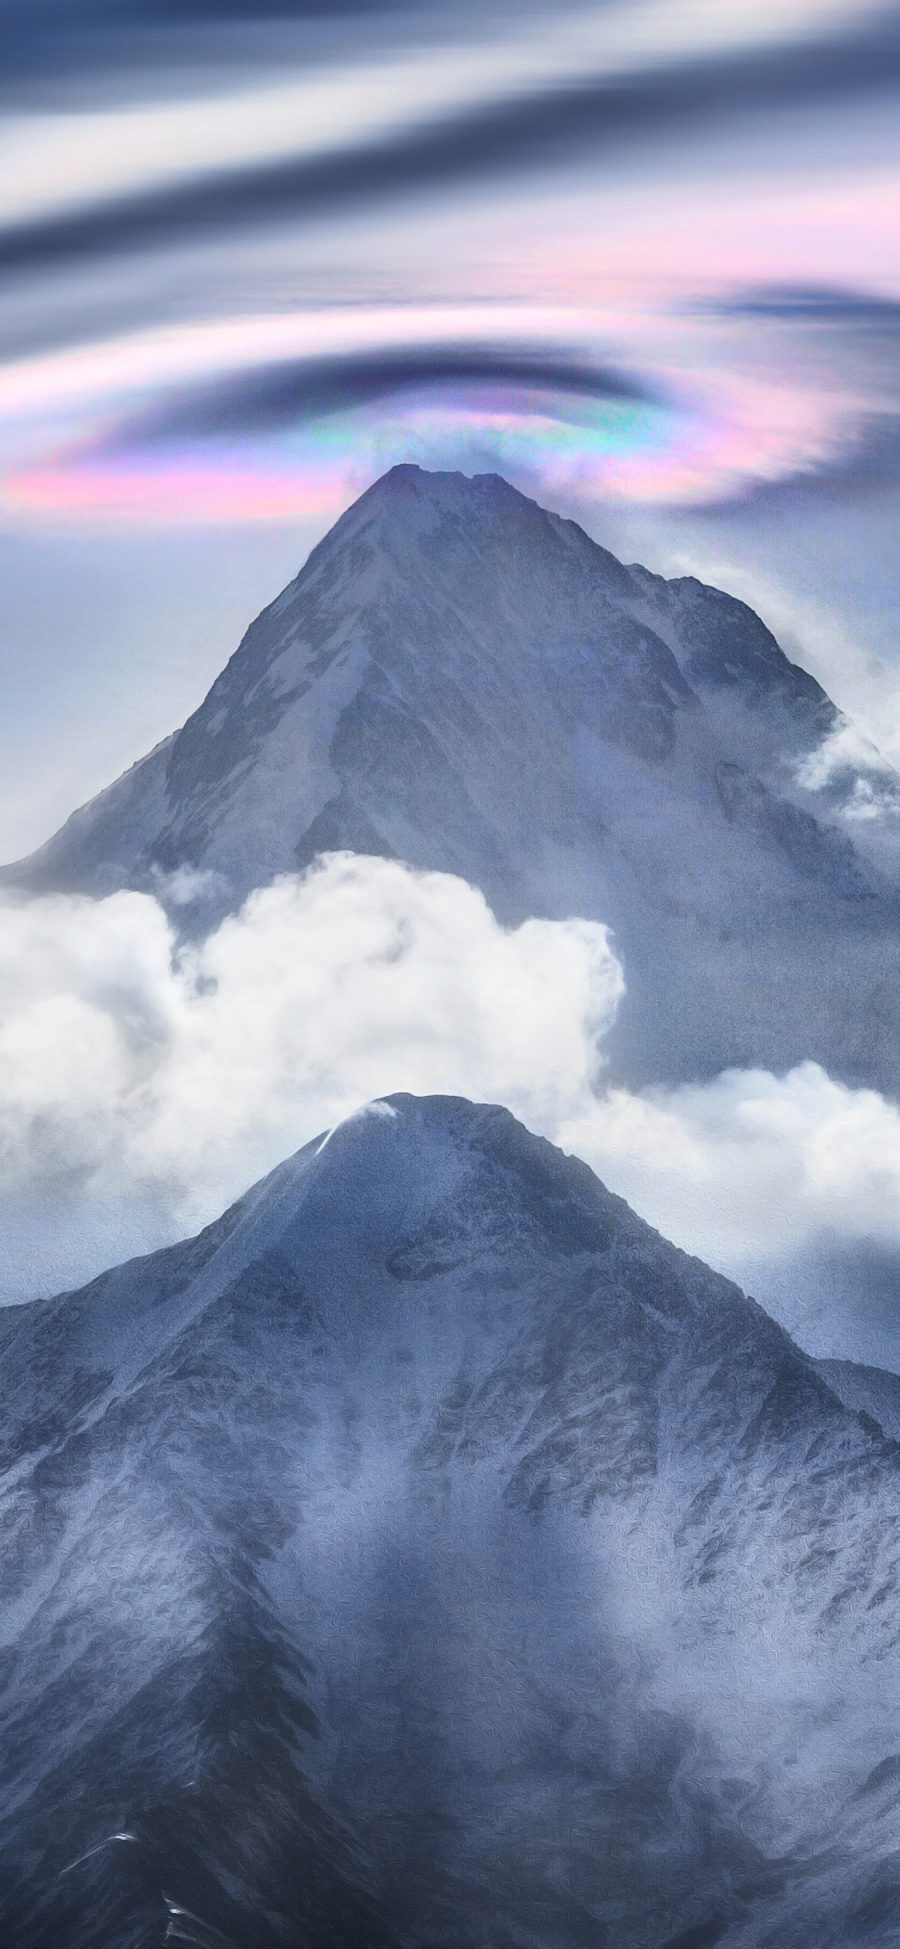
{"x":374,"y":1109}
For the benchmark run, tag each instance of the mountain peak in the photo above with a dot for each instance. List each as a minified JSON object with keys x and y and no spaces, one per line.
{"x":414,"y":1138}
{"x":407,"y":477}
{"x":439,"y":1170}
{"x":410,"y":495}
{"x":461,"y":679}
{"x":432,"y":1465}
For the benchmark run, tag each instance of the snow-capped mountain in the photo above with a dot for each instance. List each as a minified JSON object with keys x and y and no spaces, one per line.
{"x":429,"y":1556}
{"x":467,"y":681}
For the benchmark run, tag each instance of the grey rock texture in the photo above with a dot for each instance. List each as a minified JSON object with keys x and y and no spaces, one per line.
{"x":429,"y":1556}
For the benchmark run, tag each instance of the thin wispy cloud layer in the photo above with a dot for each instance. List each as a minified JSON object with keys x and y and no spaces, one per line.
{"x":412,"y":150}
{"x":639,"y":418}
{"x":814,"y":304}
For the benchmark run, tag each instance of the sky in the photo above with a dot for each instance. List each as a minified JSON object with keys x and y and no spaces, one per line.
{"x":643,"y":258}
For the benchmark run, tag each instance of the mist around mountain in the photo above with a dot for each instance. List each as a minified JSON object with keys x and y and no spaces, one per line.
{"x":430,"y":1554}
{"x":462,"y":680}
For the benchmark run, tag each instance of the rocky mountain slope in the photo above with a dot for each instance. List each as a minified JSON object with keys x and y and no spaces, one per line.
{"x":868,"y":1390}
{"x":428,"y":1556}
{"x":462,"y":679}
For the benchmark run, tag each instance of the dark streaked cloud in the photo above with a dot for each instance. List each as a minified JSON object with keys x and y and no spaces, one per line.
{"x":816,"y":304}
{"x":100,"y":45}
{"x":25,"y":20}
{"x":526,"y":132}
{"x":309,"y":389}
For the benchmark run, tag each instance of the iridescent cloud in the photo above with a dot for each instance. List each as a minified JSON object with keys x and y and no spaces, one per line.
{"x":576,"y":326}
{"x":220,"y":423}
{"x":251,"y":256}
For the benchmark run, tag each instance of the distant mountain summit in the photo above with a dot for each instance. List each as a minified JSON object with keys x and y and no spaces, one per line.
{"x":464,"y":680}
{"x":429,"y":1554}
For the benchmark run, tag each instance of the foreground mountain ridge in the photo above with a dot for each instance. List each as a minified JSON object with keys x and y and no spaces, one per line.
{"x":428,"y":1555}
{"x":464,"y":680}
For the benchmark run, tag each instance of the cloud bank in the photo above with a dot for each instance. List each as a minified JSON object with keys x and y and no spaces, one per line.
{"x":144,"y":1086}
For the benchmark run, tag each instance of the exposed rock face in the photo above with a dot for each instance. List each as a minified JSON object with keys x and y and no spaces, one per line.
{"x":868,"y":1390}
{"x":459,"y":678}
{"x":430,"y":1555}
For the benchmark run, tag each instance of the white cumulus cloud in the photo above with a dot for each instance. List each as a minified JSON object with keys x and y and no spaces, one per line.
{"x":751,"y":1166}
{"x":143,"y":1086}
